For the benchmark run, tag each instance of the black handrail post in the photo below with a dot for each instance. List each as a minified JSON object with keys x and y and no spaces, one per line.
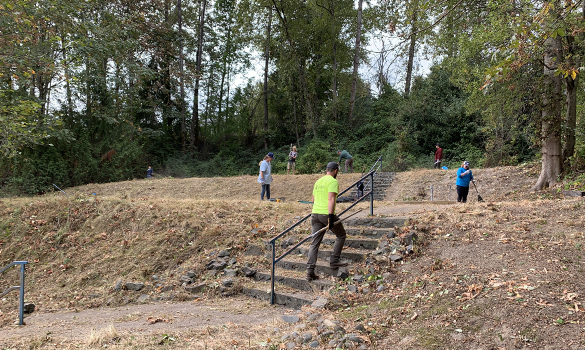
{"x":272,"y":273}
{"x":372,"y":195}
{"x":21,"y":306}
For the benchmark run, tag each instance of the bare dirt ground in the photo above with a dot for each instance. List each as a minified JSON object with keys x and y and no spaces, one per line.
{"x":506,"y":273}
{"x":183,"y":318}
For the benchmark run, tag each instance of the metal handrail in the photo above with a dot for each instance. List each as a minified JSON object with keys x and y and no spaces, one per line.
{"x":273,"y":240}
{"x":20,"y":287}
{"x":379,"y":167}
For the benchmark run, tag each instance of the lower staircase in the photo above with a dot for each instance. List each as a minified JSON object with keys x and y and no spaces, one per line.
{"x":364,"y":236}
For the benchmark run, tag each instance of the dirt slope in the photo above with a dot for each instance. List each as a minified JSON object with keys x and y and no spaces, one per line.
{"x":292,"y":188}
{"x":506,"y":273}
{"x":493,"y":184}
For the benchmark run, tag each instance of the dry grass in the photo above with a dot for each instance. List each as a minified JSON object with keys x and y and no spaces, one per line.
{"x":103,"y":336}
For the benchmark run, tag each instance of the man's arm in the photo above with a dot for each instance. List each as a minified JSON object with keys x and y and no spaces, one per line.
{"x":331,"y":208}
{"x":331,"y":203}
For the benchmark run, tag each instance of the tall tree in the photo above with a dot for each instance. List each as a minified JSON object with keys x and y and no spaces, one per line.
{"x":266,"y":61}
{"x":198,"y":73}
{"x":552,"y":152}
{"x":356,"y":62}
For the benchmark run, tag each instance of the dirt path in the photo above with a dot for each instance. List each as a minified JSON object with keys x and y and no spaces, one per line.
{"x":74,"y":326}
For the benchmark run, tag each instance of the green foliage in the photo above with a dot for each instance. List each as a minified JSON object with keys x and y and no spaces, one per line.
{"x":116,"y":68}
{"x":313,"y":158}
{"x":19,"y":125}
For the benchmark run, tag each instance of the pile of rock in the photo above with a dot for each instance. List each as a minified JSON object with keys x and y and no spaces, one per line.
{"x":317,"y":332}
{"x":395,"y":247}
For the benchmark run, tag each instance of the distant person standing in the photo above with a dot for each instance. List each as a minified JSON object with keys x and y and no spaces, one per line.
{"x":464,"y":177}
{"x":292,"y":159}
{"x":325,"y":193}
{"x":149,"y":172}
{"x":438,"y":157}
{"x":265,"y":177}
{"x":348,"y":160}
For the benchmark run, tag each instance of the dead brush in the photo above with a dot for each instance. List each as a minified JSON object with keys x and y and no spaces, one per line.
{"x":107,"y":335}
{"x":36,"y":342}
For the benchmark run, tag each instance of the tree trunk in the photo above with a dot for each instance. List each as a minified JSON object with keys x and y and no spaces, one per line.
{"x":266,"y":61}
{"x":166,"y":78}
{"x":334,"y":53}
{"x":334,"y":82}
{"x":356,"y":61}
{"x":294,"y":103}
{"x":224,"y":73}
{"x":570,"y":119}
{"x":552,"y":155}
{"x":181,"y":79}
{"x":410,"y":53}
{"x":571,"y":99}
{"x":310,"y":113}
{"x":198,"y":58}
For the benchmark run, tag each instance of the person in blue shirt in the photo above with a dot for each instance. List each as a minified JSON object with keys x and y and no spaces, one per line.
{"x":149,"y":172}
{"x":265,"y":176}
{"x":464,"y":177}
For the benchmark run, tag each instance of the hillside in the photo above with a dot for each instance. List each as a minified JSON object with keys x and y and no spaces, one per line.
{"x":503,"y":273}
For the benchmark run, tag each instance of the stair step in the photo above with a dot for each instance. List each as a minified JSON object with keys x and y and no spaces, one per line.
{"x":355,"y":255}
{"x":376,"y":222}
{"x":296,"y":282}
{"x":369,"y":232}
{"x":353,"y":243}
{"x":292,"y":300}
{"x":298,"y":265}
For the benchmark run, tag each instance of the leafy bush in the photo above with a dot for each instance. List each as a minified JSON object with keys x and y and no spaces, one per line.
{"x":314,"y":157}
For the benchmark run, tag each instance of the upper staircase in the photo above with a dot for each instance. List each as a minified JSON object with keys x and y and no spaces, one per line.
{"x":382,"y":181}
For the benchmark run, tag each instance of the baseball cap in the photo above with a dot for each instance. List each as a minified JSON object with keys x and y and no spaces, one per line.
{"x":270,"y":154}
{"x":332,"y":166}
{"x":466,"y":163}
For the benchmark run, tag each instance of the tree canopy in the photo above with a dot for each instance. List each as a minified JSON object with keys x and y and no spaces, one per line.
{"x":99,"y":90}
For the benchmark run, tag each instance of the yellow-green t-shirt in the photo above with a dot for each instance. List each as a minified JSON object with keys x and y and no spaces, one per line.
{"x":321,"y":191}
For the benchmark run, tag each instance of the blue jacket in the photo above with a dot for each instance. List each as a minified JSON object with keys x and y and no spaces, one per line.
{"x":463,"y":180}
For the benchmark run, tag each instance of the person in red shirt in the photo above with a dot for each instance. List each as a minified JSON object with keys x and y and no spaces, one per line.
{"x":438,"y":157}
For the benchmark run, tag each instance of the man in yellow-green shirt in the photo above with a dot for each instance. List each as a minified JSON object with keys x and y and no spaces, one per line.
{"x":324,"y":200}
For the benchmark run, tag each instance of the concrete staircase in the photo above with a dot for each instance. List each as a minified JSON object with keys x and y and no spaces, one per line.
{"x":291,"y":287}
{"x":382,"y":181}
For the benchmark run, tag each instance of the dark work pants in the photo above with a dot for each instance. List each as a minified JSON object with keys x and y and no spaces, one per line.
{"x":265,"y":189}
{"x":462,"y":193}
{"x":437,"y":165}
{"x":349,"y":165}
{"x":318,"y":221}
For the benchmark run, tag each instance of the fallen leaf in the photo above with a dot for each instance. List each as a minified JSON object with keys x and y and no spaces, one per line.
{"x":153,"y":320}
{"x":544,"y":303}
{"x":569,"y":296}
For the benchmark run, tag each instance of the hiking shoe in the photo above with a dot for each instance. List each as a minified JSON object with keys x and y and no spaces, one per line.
{"x":311,"y":276}
{"x":338,"y":264}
